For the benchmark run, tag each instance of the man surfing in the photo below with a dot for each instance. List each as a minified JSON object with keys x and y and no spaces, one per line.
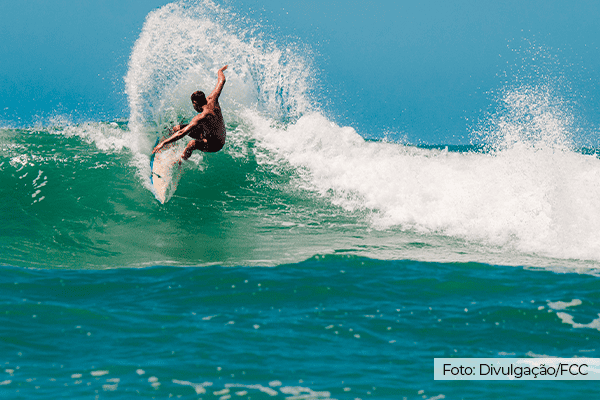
{"x":206,"y":129}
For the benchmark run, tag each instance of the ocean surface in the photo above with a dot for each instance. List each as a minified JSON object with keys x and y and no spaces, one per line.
{"x":304,"y":261}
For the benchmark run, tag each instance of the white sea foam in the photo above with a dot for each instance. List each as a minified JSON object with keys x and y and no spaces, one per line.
{"x":533,"y":199}
{"x":562,"y":305}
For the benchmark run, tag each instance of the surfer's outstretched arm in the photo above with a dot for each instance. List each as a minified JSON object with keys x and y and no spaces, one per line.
{"x":220,"y":83}
{"x":181,"y":132}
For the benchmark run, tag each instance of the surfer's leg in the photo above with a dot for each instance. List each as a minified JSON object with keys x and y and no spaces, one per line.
{"x":196,"y":144}
{"x":192,"y":145}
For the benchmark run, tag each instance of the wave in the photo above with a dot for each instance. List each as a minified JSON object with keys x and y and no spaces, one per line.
{"x":283,"y":194}
{"x":291,"y":183}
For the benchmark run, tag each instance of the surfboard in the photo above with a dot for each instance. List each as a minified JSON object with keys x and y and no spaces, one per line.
{"x":165,"y":172}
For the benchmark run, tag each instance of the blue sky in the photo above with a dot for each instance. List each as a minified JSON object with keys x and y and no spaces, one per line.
{"x":66,"y":56}
{"x":404,"y":67}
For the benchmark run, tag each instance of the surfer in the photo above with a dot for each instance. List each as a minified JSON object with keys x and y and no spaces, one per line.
{"x":206,"y":129}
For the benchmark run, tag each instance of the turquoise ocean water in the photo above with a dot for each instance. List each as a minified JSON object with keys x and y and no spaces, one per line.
{"x":304,"y":261}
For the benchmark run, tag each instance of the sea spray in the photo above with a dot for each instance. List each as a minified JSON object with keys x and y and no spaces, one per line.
{"x":181,"y":47}
{"x":528,"y":115}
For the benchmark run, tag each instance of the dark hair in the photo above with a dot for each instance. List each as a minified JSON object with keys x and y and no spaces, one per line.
{"x":199,"y":97}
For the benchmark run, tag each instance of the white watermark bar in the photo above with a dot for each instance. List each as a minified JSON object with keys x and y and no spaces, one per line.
{"x":518,"y":369}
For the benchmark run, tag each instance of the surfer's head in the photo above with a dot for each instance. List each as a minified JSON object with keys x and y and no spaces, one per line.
{"x":198,"y":100}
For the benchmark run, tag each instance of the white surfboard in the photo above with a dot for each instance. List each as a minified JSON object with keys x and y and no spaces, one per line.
{"x":165,"y":172}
